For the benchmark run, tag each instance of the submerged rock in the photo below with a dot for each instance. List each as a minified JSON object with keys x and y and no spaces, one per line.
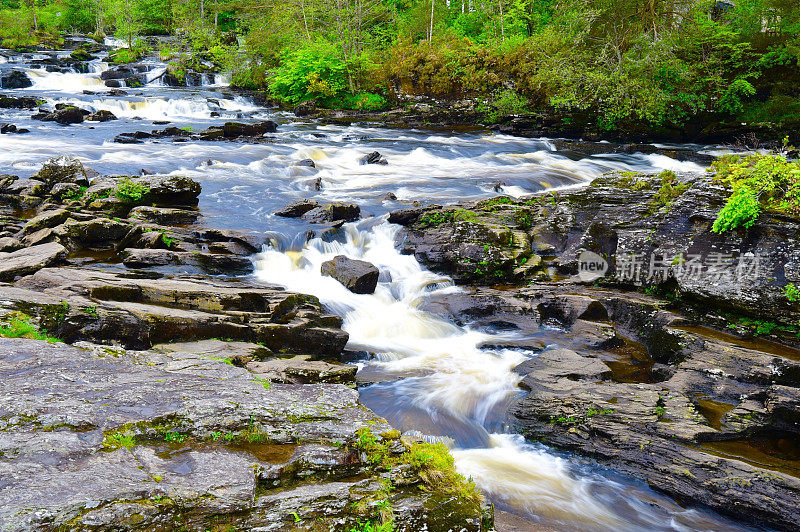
{"x":360,"y":277}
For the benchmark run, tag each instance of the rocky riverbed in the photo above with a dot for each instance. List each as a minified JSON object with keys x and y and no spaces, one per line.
{"x":686,"y":377}
{"x":189,"y":399}
{"x":246,"y":317}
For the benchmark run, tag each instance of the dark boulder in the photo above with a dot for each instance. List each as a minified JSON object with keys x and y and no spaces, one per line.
{"x":237,"y":129}
{"x":65,"y":115}
{"x":358,"y":276}
{"x":334,"y":212}
{"x":373,"y":158}
{"x":23,"y":102}
{"x":297,"y":209}
{"x":306,"y":108}
{"x":101,"y":116}
{"x":16,"y":79}
{"x":306,"y":162}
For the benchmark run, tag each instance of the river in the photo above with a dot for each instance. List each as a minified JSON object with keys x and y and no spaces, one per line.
{"x":426,"y":375}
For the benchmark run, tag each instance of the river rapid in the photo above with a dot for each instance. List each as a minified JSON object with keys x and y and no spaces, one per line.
{"x":426,"y":375}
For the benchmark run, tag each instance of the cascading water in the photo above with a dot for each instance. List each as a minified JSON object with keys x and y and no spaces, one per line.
{"x":432,"y":376}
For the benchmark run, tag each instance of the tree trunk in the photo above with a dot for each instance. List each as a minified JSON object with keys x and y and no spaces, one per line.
{"x":35,"y":18}
{"x":502,"y":22}
{"x":202,"y":12}
{"x":430,"y":33}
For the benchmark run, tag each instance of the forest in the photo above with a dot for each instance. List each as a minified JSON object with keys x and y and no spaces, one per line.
{"x":621,"y":64}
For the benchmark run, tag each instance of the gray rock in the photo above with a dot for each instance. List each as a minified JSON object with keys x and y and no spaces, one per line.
{"x":47,"y":219}
{"x":297,"y":209}
{"x":101,"y":116}
{"x":63,"y":169}
{"x":373,"y":158}
{"x":302,"y":370}
{"x":360,"y":277}
{"x":16,"y":79}
{"x":333,"y":213}
{"x":60,"y":400}
{"x":29,"y":260}
{"x":164,"y":215}
{"x":215,"y":263}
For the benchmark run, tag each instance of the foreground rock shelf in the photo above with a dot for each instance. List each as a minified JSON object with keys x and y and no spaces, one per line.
{"x":135,"y":440}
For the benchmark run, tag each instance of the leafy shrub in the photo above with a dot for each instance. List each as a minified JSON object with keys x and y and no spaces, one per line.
{"x":503,"y":104}
{"x":130,"y":191}
{"x":792,"y":292}
{"x":758,"y":182}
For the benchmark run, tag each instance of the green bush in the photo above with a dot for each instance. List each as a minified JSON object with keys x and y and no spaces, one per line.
{"x":503,"y":104}
{"x":758,"y":183}
{"x":312,"y":72}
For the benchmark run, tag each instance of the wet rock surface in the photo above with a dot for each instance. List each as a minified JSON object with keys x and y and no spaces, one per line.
{"x":151,"y":439}
{"x":644,"y":239}
{"x":358,"y":276}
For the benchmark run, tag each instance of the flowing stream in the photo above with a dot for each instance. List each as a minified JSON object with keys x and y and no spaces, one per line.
{"x":426,"y":375}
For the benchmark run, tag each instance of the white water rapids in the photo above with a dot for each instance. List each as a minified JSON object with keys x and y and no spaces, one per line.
{"x":437,"y":367}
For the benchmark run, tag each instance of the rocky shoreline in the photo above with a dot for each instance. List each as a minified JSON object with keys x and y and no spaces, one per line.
{"x":684,"y":374}
{"x":191,"y":396}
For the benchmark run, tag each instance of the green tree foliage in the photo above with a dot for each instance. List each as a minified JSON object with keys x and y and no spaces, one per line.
{"x":613,"y":63}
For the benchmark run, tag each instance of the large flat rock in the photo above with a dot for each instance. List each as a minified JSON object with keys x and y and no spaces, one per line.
{"x":29,"y":260}
{"x":58,"y":403}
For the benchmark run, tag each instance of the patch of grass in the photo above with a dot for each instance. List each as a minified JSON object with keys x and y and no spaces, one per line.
{"x":117,"y":440}
{"x":431,"y":461}
{"x":436,"y":467}
{"x":21,"y":327}
{"x":74,"y":194}
{"x":91,"y":311}
{"x":174,"y":437}
{"x":433,"y":219}
{"x":371,"y":526}
{"x":264,"y":382}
